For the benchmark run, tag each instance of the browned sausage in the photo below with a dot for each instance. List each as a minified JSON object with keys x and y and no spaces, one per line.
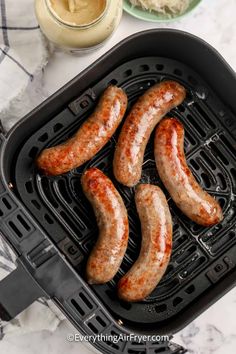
{"x":107,"y":255}
{"x":155,"y":252}
{"x":174,"y":172}
{"x":90,"y":138}
{"x":138,"y":126}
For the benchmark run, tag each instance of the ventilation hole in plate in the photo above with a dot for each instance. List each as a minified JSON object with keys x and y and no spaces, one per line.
{"x":218,"y":153}
{"x":43,"y":137}
{"x":102,"y":165}
{"x":36,"y":204}
{"x":161,"y":308}
{"x":48,"y":219}
{"x":190,"y":138}
{"x":196,"y":227}
{"x":33,"y":152}
{"x":6,"y":203}
{"x":15,"y":229}
{"x":178,"y":72}
{"x":196,"y":264}
{"x":177,"y":301}
{"x":175,"y":227}
{"x":160,"y":350}
{"x":219,"y":227}
{"x":192,"y":80}
{"x":112,"y":82}
{"x":159,"y":67}
{"x":143,"y":68}
{"x":86,"y":301}
{"x":186,"y":144}
{"x":113,"y":333}
{"x":179,"y":241}
{"x":128,"y":73}
{"x":63,"y":190}
{"x":29,"y":187}
{"x":57,"y":127}
{"x":222,"y":202}
{"x":77,"y":307}
{"x":205,"y":116}
{"x":185,"y":254}
{"x":190,"y":289}
{"x":222,"y":181}
{"x":197,"y":176}
{"x":233,"y":172}
{"x":208,"y":160}
{"x":181,"y":108}
{"x":206,"y":180}
{"x":137,"y":351}
{"x":1,"y":213}
{"x":112,"y":344}
{"x":196,"y":125}
{"x":131,"y":252}
{"x":232,"y":212}
{"x":101,"y":322}
{"x":23,"y":222}
{"x":137,"y":344}
{"x":93,"y":328}
{"x":189,"y":98}
{"x":169,"y":269}
{"x":194,"y":164}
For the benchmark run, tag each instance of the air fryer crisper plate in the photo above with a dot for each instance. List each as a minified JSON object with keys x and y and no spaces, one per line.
{"x":201,"y":257}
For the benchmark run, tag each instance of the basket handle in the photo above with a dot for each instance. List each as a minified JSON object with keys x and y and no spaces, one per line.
{"x":17,"y":292}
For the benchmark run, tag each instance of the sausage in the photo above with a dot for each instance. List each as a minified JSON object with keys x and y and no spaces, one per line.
{"x":138,"y":126}
{"x":111,"y":214}
{"x":156,"y":225}
{"x":94,"y":133}
{"x":175,"y":174}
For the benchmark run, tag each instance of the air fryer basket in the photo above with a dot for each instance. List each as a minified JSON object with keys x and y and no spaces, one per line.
{"x":52,"y":226}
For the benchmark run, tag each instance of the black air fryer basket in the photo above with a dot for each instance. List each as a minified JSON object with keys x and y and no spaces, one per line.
{"x":51,"y":225}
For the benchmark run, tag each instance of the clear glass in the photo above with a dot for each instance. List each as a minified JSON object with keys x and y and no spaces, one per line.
{"x":76,"y":38}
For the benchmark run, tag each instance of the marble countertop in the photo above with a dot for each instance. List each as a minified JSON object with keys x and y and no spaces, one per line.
{"x":215,"y":330}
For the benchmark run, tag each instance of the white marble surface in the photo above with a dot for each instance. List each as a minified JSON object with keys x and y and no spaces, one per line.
{"x":215,"y":330}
